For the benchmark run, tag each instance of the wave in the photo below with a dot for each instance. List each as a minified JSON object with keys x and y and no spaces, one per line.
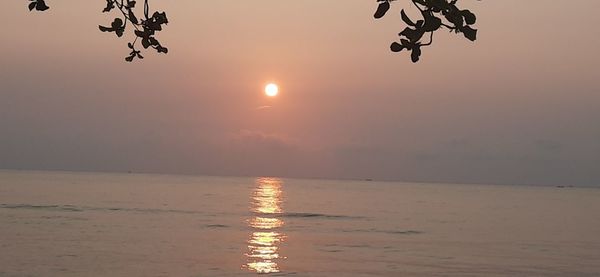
{"x":73,"y":208}
{"x":216,"y":226}
{"x":392,"y":232}
{"x":317,"y":215}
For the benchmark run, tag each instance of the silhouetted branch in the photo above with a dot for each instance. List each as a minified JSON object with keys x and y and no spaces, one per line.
{"x":435,"y":15}
{"x":145,"y":26}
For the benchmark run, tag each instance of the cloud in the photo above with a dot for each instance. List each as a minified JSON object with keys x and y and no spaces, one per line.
{"x":257,"y":153}
{"x":249,"y":138}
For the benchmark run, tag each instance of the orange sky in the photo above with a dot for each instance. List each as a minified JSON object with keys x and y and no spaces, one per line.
{"x":518,"y":106}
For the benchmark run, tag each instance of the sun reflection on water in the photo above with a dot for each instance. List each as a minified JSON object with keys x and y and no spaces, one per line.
{"x":263,"y":244}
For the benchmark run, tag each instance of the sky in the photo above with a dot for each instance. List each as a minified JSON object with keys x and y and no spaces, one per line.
{"x":518,"y":106}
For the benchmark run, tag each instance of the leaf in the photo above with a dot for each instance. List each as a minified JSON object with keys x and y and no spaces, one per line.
{"x":406,"y":43}
{"x":139,"y":33}
{"x":455,"y":18}
{"x":470,"y":17}
{"x":382,"y":9}
{"x":105,"y":29}
{"x":32,"y":6}
{"x":469,"y":33}
{"x":396,"y":47}
{"x":109,"y":6}
{"x":153,"y":41}
{"x":145,"y":42}
{"x":132,"y":17}
{"x":405,"y":18}
{"x":41,"y":5}
{"x":117,"y":23}
{"x":432,"y":23}
{"x":416,"y":54}
{"x":160,"y":18}
{"x":118,"y":27}
{"x":161,"y":49}
{"x":412,"y":35}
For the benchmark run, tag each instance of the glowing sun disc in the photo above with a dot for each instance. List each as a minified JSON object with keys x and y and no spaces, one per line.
{"x":271,"y":90}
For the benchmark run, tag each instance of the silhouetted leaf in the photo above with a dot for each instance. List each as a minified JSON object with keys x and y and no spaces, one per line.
{"x":41,"y":5}
{"x":140,"y":33}
{"x":117,"y":23}
{"x":110,"y":4}
{"x":118,"y":27}
{"x":470,"y":17}
{"x":412,"y":34}
{"x":161,"y":49}
{"x":383,"y":7}
{"x":469,"y":33}
{"x":38,"y":5}
{"x":132,"y":17}
{"x":396,"y":47}
{"x":416,"y":53}
{"x":432,"y":23}
{"x":407,"y":44}
{"x":406,"y":19}
{"x":455,"y":18}
{"x":159,"y":18}
{"x":105,"y":29}
{"x":153,"y":41}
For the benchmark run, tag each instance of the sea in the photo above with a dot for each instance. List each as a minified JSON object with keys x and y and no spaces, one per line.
{"x":105,"y":224}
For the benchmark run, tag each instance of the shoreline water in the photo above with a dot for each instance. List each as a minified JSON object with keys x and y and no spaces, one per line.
{"x":367,"y":180}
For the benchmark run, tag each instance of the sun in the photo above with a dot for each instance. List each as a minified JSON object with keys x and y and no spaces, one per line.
{"x":271,"y":90}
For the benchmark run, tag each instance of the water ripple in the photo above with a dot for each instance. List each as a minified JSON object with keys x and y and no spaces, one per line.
{"x":317,"y":215}
{"x":73,"y":208}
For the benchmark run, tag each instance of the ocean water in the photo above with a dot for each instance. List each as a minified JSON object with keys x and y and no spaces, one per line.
{"x":92,"y":224}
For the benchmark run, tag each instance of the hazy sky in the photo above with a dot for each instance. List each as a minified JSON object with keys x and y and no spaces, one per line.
{"x":519,"y":106}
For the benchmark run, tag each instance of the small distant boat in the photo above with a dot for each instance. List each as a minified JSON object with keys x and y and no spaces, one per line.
{"x":369,"y":180}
